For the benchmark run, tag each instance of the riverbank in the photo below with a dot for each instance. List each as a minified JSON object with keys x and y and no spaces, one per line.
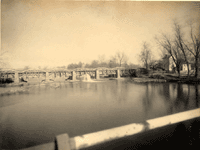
{"x":25,"y":87}
{"x":144,"y":80}
{"x":140,"y":79}
{"x":166,"y":77}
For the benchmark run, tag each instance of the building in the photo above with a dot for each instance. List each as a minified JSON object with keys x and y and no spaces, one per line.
{"x":184,"y":67}
{"x":169,"y":65}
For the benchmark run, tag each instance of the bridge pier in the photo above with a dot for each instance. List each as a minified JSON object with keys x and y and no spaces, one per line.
{"x":16,"y":77}
{"x":97,"y":74}
{"x":73,"y":75}
{"x":47,"y":76}
{"x":118,"y":73}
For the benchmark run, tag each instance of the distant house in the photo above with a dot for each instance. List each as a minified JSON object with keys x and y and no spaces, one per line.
{"x":184,"y":66}
{"x":191,"y":66}
{"x":169,"y":65}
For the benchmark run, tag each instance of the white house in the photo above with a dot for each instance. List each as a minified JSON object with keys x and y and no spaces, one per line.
{"x":184,"y":67}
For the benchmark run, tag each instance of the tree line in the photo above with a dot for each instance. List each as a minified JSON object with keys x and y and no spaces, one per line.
{"x":183,"y":46}
{"x":120,"y":59}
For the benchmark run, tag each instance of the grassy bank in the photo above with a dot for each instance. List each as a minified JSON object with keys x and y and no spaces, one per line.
{"x":167,"y":77}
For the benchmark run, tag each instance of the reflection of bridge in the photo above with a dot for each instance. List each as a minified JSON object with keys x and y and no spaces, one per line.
{"x":65,"y":74}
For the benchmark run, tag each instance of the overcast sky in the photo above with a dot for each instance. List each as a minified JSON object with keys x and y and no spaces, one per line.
{"x":56,"y":33}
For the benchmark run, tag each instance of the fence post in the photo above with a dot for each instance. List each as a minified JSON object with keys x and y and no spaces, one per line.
{"x":63,"y":142}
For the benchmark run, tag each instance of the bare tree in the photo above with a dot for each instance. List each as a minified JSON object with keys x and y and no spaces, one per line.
{"x":121,"y":58}
{"x":179,"y":41}
{"x":94,"y":64}
{"x":171,"y":49}
{"x":146,"y":55}
{"x":112,"y":62}
{"x":180,"y":47}
{"x":193,"y":45}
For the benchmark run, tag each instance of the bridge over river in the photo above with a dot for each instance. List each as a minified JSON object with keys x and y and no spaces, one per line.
{"x":41,"y":75}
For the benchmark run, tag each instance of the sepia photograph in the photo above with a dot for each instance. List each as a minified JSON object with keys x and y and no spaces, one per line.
{"x":99,"y":75}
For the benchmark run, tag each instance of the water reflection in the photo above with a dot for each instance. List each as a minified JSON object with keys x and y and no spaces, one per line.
{"x":147,"y":100}
{"x":115,"y":91}
{"x":182,"y":95}
{"x":175,"y":97}
{"x":197,"y":94}
{"x":121,"y":92}
{"x":179,"y":96}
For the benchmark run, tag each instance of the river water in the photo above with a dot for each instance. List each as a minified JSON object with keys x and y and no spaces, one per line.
{"x":78,"y":108}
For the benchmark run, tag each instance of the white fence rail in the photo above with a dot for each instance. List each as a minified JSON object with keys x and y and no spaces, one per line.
{"x":63,"y":142}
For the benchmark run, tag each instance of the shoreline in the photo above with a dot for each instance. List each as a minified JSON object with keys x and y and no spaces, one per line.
{"x":168,"y":79}
{"x":19,"y":88}
{"x":143,"y":79}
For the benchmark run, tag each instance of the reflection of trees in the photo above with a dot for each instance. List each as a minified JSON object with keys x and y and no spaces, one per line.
{"x":72,"y":86}
{"x":65,"y":85}
{"x":175,"y":95}
{"x":166,"y":91}
{"x":103,"y":88}
{"x":95,"y":87}
{"x":181,"y":96}
{"x":169,"y":93}
{"x":197,"y":94}
{"x":122,"y":91}
{"x":147,"y":98}
{"x":188,"y":97}
{"x":119,"y":91}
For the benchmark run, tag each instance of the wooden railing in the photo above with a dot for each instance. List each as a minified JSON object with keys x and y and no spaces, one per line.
{"x":94,"y":73}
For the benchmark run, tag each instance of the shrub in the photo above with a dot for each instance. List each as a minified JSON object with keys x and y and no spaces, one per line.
{"x":7,"y":80}
{"x":156,"y":76}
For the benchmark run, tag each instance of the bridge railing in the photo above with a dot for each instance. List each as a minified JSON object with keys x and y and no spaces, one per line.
{"x":64,"y":142}
{"x":52,"y":74}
